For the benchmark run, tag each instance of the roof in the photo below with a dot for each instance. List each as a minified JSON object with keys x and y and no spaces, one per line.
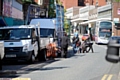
{"x":44,"y":23}
{"x":21,"y":26}
{"x":100,"y":19}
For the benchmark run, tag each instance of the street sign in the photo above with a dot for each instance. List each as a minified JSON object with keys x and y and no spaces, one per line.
{"x":116,"y":20}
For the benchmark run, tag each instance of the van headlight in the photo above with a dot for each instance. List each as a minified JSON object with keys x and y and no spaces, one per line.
{"x":25,"y":48}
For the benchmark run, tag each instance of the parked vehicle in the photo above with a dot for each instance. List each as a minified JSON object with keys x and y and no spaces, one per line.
{"x":21,"y":42}
{"x":47,"y":35}
{"x":115,"y":38}
{"x":28,"y":42}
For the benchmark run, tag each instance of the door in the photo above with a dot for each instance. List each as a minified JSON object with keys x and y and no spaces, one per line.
{"x":35,"y":42}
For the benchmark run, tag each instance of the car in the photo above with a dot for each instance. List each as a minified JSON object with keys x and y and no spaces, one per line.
{"x":85,"y":36}
{"x":114,"y":38}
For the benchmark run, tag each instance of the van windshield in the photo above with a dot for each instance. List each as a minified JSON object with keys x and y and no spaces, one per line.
{"x":16,"y":33}
{"x":46,"y":32}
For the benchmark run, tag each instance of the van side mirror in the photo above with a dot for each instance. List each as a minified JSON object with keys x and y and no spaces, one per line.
{"x":55,"y":39}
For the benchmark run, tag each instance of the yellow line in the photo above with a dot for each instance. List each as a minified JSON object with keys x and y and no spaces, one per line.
{"x":104,"y":77}
{"x":110,"y":77}
{"x":21,"y":79}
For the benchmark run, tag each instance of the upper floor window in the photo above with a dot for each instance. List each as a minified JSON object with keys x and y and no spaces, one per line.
{"x":81,"y":3}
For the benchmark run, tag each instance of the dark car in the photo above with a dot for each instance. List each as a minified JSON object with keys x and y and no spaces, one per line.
{"x":115,"y":38}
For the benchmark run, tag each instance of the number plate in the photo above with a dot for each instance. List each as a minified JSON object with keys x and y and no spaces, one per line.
{"x":10,"y":55}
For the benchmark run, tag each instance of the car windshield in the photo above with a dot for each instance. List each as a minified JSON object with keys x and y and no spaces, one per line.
{"x":46,"y":32}
{"x":16,"y":33}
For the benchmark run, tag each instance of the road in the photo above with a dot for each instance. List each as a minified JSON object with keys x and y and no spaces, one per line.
{"x":88,"y":66}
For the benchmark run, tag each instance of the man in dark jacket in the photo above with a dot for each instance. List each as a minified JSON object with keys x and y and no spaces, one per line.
{"x":64,"y":45}
{"x":89,"y":44}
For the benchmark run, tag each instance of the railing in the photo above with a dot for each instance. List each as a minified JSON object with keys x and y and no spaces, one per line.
{"x":76,"y":16}
{"x":103,"y":8}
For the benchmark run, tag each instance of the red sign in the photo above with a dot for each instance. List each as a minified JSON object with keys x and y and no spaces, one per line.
{"x":118,"y":11}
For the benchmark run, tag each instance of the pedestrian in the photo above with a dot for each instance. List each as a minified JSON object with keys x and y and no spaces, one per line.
{"x":76,"y":33}
{"x":89,"y":43}
{"x":64,"y":45}
{"x":75,"y":40}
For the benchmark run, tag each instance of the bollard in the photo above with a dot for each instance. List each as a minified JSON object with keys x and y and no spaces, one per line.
{"x":113,"y":51}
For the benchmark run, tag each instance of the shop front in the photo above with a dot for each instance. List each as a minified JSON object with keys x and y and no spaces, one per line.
{"x":7,"y":21}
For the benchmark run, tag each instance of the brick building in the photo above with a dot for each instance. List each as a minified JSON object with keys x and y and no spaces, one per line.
{"x":74,"y":3}
{"x":116,"y":14}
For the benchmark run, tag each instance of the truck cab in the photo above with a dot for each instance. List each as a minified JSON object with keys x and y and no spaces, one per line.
{"x":47,"y":32}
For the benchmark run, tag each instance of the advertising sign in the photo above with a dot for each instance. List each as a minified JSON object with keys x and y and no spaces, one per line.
{"x":59,"y":20}
{"x":7,"y":8}
{"x":17,"y":13}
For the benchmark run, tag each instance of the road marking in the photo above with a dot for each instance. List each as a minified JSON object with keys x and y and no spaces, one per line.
{"x":21,"y":79}
{"x":107,"y":77}
{"x":110,"y":77}
{"x":104,"y":77}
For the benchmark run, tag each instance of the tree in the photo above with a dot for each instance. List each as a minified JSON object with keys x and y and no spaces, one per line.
{"x":117,"y":0}
{"x":51,"y":10}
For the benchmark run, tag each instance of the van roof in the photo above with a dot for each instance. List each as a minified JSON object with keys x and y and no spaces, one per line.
{"x":44,"y":23}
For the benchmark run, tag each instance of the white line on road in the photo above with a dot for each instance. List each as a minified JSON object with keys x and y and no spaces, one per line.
{"x":104,"y":77}
{"x":110,"y":77}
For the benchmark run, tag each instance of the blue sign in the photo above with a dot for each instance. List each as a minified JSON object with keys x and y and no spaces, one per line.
{"x":59,"y":21}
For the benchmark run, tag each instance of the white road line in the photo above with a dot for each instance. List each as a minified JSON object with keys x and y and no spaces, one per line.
{"x":104,"y":77}
{"x":110,"y":77}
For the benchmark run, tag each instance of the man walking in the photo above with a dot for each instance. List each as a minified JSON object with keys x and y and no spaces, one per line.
{"x":89,"y":43}
{"x":64,"y":45}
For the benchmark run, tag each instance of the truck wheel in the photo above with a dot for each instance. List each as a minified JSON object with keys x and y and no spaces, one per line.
{"x":42,"y":55}
{"x":32,"y":58}
{"x":0,"y":64}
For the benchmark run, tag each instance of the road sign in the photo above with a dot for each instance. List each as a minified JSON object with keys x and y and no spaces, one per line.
{"x":116,"y":20}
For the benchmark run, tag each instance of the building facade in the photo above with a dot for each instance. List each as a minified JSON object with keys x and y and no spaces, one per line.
{"x":74,"y":3}
{"x":116,"y":14}
{"x":11,"y":12}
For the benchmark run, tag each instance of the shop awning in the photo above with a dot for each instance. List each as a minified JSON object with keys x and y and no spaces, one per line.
{"x":78,"y":19}
{"x":2,"y":22}
{"x":90,"y":21}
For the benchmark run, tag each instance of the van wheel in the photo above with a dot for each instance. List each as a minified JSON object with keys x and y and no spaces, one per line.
{"x":42,"y":55}
{"x":32,"y":58}
{"x":0,"y":64}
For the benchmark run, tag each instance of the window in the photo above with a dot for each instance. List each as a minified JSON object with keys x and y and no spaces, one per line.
{"x":81,"y":3}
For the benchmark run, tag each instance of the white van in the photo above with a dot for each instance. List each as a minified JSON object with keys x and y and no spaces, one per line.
{"x":21,"y":43}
